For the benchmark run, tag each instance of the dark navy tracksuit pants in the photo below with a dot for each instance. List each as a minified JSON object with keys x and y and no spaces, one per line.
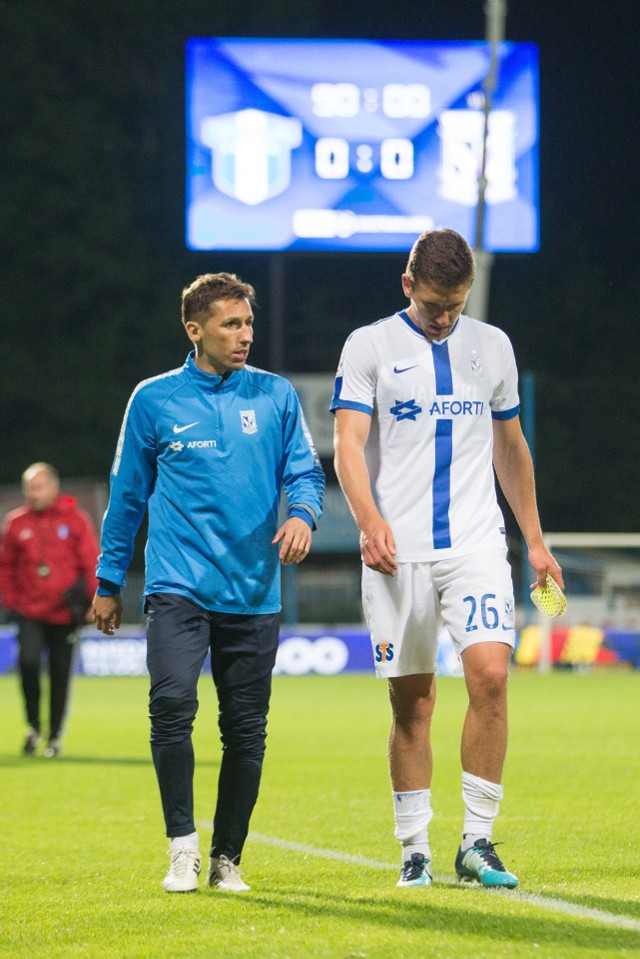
{"x":243,"y":653}
{"x":33,"y":638}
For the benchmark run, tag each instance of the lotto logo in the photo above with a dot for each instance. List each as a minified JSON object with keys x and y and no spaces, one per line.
{"x":384,"y":652}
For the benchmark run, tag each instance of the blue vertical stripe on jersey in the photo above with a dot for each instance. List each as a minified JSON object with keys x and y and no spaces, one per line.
{"x":336,"y":391}
{"x":442,"y":367}
{"x":444,"y":447}
{"x":442,"y":484}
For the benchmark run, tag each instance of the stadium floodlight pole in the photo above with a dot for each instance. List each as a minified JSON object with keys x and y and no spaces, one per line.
{"x":495,"y":16}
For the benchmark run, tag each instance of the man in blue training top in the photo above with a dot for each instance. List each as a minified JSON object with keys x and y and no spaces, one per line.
{"x":208,"y":448}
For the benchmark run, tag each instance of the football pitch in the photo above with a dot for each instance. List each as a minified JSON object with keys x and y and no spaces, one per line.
{"x":84,"y":853}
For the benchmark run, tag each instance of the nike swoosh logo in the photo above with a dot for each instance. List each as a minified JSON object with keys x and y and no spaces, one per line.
{"x":405,"y":368}
{"x":181,"y":429}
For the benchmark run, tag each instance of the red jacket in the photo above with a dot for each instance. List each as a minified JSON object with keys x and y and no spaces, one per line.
{"x":60,"y":542}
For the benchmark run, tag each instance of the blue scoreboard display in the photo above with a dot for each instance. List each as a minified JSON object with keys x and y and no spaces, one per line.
{"x":357,"y":144}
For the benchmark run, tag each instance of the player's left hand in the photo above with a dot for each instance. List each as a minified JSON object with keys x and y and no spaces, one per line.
{"x":543,"y":563}
{"x":294,"y":537}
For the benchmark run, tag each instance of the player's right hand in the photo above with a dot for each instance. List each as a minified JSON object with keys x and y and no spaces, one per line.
{"x":378,"y":549}
{"x":107,"y":613}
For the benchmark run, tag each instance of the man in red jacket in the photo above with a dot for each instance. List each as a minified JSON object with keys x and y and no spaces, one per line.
{"x":48,"y":557}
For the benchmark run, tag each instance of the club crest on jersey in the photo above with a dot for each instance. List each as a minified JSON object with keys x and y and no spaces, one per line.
{"x":475,"y":364}
{"x":405,"y":411}
{"x":248,"y":420}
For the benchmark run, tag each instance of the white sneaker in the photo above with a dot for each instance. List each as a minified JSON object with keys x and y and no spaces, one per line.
{"x":53,"y":749}
{"x":184,"y":870}
{"x":31,"y":742}
{"x":223,"y":874}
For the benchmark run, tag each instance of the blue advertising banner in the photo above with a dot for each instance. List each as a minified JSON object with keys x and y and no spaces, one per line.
{"x":324,"y":650}
{"x":329,"y":651}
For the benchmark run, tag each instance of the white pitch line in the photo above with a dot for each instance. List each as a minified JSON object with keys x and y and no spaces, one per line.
{"x":543,"y":902}
{"x":581,"y":912}
{"x":320,"y":853}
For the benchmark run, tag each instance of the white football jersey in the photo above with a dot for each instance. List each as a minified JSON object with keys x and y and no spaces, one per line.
{"x":430,"y":447}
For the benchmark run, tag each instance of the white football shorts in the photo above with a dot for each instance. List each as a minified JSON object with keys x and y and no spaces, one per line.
{"x":471,"y":595}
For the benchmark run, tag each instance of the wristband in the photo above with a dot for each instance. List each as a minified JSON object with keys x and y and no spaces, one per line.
{"x":106,"y":588}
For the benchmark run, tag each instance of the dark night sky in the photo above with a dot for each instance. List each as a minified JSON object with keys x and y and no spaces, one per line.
{"x":92,"y":257}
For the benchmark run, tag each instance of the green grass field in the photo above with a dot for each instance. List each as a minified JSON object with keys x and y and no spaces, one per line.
{"x":84,"y":854}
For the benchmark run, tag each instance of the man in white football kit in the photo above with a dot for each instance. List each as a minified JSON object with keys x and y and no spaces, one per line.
{"x":426,"y":405}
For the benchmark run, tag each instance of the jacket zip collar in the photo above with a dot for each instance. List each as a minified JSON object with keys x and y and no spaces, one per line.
{"x":210,"y":381}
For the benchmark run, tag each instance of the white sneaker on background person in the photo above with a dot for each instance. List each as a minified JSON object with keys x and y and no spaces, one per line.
{"x":184,"y":869}
{"x":223,"y":874}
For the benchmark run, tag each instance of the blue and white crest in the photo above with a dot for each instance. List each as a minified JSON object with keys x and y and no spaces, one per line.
{"x":508,"y":613}
{"x":475,"y":364}
{"x":248,"y":420}
{"x":251,"y":153}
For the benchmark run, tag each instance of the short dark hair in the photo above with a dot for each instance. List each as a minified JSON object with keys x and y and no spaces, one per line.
{"x":199,"y":296}
{"x":441,"y":258}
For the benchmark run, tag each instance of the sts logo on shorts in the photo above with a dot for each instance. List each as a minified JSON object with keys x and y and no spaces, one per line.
{"x":384,"y":652}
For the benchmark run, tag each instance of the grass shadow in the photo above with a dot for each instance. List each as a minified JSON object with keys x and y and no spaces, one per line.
{"x":622,"y":907}
{"x":423,"y":912}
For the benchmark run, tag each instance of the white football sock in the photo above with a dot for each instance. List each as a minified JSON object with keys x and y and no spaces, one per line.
{"x":481,"y":804}
{"x":190,"y":840}
{"x":413,"y":813}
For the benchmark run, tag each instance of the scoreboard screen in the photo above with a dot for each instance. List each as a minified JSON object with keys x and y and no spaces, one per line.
{"x":357,"y":144}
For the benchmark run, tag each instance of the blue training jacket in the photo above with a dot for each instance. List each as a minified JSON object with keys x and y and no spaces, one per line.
{"x":209,"y":456}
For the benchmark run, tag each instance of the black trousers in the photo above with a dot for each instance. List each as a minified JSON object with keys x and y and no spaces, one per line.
{"x":33,"y":638}
{"x":243,"y":654}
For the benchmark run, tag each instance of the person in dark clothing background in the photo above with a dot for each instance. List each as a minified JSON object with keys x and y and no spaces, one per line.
{"x":48,"y":555}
